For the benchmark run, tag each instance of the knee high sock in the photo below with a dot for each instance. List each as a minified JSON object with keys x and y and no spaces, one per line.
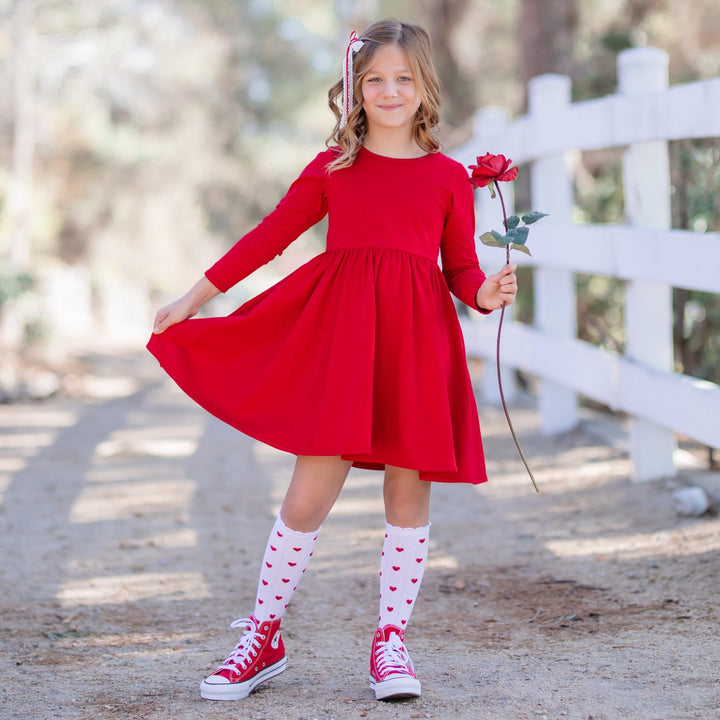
{"x":402,"y":566}
{"x":287,"y":556}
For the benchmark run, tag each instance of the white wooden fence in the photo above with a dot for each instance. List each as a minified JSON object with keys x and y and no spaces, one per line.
{"x":652,"y":259}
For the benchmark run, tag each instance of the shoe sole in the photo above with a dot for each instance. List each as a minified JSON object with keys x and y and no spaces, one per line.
{"x":238,"y":691}
{"x":395,"y":688}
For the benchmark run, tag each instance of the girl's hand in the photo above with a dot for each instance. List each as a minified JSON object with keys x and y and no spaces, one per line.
{"x":172,"y":314}
{"x":498,"y":290}
{"x":185,"y":307}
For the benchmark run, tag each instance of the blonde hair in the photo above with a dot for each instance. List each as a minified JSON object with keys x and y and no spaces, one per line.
{"x":415,"y":43}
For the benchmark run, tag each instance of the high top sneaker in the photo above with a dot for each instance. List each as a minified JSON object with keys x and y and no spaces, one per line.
{"x":258,"y":656}
{"x":391,"y":669}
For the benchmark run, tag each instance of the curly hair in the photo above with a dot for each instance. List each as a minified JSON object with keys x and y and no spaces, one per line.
{"x":415,"y":43}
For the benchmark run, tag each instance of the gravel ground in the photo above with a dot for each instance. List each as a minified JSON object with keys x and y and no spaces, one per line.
{"x":132,"y":526}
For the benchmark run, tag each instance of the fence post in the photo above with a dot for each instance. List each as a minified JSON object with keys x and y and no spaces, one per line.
{"x":648,"y":305}
{"x":489,"y":124}
{"x":555,"y":304}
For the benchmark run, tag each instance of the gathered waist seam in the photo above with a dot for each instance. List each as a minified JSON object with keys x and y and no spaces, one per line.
{"x":379,"y":247}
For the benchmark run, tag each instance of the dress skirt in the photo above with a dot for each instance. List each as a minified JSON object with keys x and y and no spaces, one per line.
{"x":358,"y":353}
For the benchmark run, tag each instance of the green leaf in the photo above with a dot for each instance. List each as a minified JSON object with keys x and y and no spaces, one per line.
{"x":521,"y":248}
{"x":520,"y":235}
{"x":494,"y":239}
{"x":502,"y":240}
{"x":489,"y":239}
{"x":512,"y":222}
{"x":533,"y":217}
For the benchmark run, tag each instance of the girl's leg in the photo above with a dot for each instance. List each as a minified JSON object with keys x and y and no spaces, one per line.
{"x":407,"y":531}
{"x":407,"y":498}
{"x":260,"y":654}
{"x":314,"y":488}
{"x":407,"y":526}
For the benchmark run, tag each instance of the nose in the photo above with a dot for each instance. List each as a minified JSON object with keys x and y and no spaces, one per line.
{"x":390,"y":89}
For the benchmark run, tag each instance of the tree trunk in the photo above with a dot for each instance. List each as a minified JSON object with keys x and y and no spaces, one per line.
{"x":16,"y":244}
{"x":547,"y":29}
{"x":20,"y":181}
{"x":443,"y":17}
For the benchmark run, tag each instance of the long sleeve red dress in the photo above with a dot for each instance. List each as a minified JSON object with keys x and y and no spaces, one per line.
{"x":359,"y":352}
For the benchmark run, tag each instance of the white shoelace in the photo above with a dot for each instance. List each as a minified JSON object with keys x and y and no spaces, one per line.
{"x":392,"y":656}
{"x":246,"y":649}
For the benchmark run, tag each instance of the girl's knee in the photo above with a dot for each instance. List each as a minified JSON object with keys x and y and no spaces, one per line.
{"x":407,"y":498}
{"x":314,"y":488}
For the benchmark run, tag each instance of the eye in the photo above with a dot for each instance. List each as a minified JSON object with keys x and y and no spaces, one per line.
{"x":405,"y":78}
{"x":373,"y":80}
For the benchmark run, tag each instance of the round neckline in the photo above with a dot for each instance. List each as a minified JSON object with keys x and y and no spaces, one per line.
{"x":390,"y":157}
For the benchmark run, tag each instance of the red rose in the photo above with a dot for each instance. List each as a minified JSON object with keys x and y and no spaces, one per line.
{"x":491,"y":168}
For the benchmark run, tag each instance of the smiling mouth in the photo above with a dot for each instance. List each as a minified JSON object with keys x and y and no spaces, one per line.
{"x":390,"y":107}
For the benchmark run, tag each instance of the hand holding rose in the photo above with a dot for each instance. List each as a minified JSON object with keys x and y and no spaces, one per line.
{"x":498,"y":290}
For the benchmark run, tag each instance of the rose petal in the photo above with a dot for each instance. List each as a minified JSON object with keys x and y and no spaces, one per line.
{"x":508,"y":175}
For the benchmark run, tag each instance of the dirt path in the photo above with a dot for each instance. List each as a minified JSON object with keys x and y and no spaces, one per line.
{"x":132,"y":525}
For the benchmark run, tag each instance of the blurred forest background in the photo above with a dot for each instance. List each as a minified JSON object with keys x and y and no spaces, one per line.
{"x":141,"y":138}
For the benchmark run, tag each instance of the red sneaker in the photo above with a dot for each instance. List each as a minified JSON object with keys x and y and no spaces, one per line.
{"x":259,"y":656}
{"x":391,"y":669}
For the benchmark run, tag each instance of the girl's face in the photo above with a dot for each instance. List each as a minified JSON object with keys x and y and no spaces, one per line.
{"x":389,"y":89}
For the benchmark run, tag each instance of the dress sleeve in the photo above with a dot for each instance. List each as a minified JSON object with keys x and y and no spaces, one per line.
{"x":457,"y":248}
{"x":304,"y":205}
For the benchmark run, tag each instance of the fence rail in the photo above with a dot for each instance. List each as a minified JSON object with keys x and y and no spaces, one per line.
{"x":677,"y":113}
{"x":648,"y":256}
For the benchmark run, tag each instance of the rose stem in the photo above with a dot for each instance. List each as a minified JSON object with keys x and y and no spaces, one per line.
{"x":497,"y":356}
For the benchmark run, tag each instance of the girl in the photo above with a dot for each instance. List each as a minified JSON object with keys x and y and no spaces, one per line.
{"x":357,"y":358}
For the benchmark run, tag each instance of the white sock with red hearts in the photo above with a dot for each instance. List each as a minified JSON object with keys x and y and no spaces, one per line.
{"x":402,"y":566}
{"x":287,"y":556}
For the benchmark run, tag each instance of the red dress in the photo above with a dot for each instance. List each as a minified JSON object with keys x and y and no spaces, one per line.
{"x":359,"y":352}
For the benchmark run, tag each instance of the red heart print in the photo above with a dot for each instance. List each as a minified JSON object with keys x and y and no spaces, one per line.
{"x":310,"y":555}
{"x":279,"y":534}
{"x":286,"y":604}
{"x":402,"y":622}
{"x":286,"y":580}
{"x":264,"y":582}
{"x":273,"y":548}
{"x":400,"y":549}
{"x":421,"y":541}
{"x":297,"y":549}
{"x":392,"y":589}
{"x":418,"y":560}
{"x":390,"y":608}
{"x":260,"y":601}
{"x":268,"y":564}
{"x":396,"y":568}
{"x":292,"y":564}
{"x":385,"y":534}
{"x":315,"y":538}
{"x":414,"y":580}
{"x":272,"y":617}
{"x":279,"y":597}
{"x":409,"y":602}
